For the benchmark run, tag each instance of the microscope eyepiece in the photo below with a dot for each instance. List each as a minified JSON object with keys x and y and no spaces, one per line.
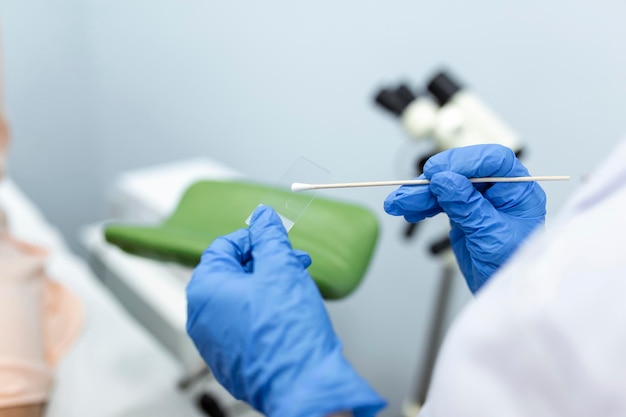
{"x":443,"y":87}
{"x":405,"y":94}
{"x":395,"y":100}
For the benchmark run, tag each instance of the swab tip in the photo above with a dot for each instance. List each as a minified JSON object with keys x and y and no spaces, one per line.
{"x":298,"y":186}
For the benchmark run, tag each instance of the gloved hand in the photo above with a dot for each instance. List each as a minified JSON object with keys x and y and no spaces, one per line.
{"x":489,"y":221}
{"x":259,"y":322}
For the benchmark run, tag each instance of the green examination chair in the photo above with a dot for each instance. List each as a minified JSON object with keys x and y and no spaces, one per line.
{"x":340,"y":237}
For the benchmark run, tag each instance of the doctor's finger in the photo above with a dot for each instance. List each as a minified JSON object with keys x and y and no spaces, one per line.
{"x":463,"y":204}
{"x":476,"y":161}
{"x":227,"y":253}
{"x":303,"y":257}
{"x":525,"y":199}
{"x":271,"y":248}
{"x":415,"y":202}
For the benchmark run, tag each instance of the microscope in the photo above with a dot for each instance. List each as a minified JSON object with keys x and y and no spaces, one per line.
{"x":447,"y":115}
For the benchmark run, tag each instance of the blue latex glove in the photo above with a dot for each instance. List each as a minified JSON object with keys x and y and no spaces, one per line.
{"x":489,"y":221}
{"x":259,"y":322}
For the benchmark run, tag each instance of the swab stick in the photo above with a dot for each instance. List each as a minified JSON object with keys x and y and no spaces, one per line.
{"x":297,"y":186}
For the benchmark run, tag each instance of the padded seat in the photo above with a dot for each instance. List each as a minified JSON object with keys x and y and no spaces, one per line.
{"x":339,"y":236}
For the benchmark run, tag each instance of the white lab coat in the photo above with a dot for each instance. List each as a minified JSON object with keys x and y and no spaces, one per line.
{"x":547,"y":336}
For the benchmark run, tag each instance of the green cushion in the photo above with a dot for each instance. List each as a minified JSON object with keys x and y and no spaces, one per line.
{"x":340,"y":237}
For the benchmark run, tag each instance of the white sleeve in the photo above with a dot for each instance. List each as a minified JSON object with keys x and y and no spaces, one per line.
{"x":547,"y":335}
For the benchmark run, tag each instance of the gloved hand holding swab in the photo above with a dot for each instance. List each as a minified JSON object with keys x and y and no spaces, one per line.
{"x":297,"y":186}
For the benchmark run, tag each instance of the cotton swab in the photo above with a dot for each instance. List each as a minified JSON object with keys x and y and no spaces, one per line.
{"x":297,"y":186}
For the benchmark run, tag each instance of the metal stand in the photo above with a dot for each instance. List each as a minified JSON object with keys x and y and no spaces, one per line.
{"x":435,"y":334}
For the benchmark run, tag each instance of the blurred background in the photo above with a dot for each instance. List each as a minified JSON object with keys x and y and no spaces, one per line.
{"x":95,"y":88}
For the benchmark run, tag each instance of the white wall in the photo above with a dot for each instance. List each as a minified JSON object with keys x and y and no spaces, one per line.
{"x":47,"y":79}
{"x":97,"y":87}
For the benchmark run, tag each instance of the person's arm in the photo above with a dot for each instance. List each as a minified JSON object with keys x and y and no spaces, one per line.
{"x":18,"y":321}
{"x":25,"y":377}
{"x":489,"y":221}
{"x":4,"y":128}
{"x":259,"y":321}
{"x":31,"y":306}
{"x":34,"y":410}
{"x":546,"y":336}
